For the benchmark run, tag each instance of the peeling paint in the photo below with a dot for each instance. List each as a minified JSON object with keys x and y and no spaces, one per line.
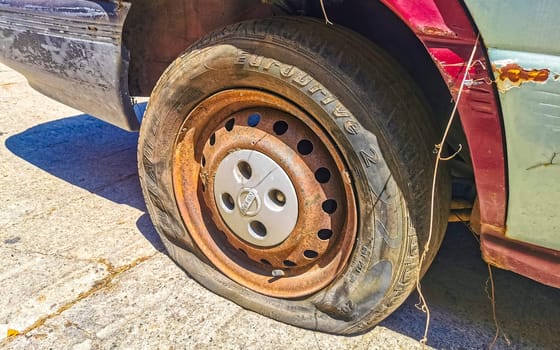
{"x":513,"y":75}
{"x":435,"y":31}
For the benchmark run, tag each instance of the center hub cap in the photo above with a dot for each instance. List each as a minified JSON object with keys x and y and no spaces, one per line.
{"x":249,"y":204}
{"x":255,"y":198}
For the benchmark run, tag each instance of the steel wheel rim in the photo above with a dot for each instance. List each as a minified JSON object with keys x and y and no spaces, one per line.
{"x":242,"y":124}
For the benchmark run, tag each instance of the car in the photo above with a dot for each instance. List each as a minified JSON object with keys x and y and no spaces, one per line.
{"x":302,"y":158}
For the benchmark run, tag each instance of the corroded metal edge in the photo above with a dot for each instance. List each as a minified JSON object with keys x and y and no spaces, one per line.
{"x":537,"y":263}
{"x":449,"y":35}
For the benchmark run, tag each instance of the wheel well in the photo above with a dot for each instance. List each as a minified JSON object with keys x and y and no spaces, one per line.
{"x":380,"y":25}
{"x":154,"y":41}
{"x":156,"y":32}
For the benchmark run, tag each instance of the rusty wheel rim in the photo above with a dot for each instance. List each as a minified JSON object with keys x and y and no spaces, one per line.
{"x":243,"y":160}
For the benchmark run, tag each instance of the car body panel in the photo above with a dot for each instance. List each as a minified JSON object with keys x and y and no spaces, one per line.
{"x":525,"y":56}
{"x":532,"y":126}
{"x":518,"y":25}
{"x":71,"y":50}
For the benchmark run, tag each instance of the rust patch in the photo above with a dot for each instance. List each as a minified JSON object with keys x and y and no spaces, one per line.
{"x":434,"y":31}
{"x":513,"y":75}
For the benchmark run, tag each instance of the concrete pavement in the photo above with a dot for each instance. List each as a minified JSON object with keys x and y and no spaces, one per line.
{"x":82,"y":267}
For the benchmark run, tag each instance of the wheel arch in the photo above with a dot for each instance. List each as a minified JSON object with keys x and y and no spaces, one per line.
{"x":432,"y":40}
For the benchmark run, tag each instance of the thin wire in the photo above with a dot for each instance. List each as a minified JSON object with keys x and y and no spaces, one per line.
{"x":327,"y":21}
{"x":454,"y":154}
{"x":492,"y":298}
{"x":422,"y":305}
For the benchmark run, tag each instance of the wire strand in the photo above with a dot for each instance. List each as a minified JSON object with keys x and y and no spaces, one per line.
{"x":422,"y":305}
{"x":327,"y":21}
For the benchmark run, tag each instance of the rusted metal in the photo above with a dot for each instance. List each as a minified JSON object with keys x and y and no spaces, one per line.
{"x":437,"y":32}
{"x":317,"y":249}
{"x":457,"y":204}
{"x":460,"y":211}
{"x":480,"y":118}
{"x":540,"y":264}
{"x":474,"y":223}
{"x":478,"y":108}
{"x":512,"y":75}
{"x":459,"y":215}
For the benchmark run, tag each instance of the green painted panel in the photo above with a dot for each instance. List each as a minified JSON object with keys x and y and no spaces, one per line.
{"x":518,"y":25}
{"x":525,"y":34}
{"x":532,"y":126}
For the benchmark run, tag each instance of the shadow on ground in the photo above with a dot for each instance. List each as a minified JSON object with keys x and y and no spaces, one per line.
{"x":455,"y":287}
{"x":101,"y":159}
{"x":89,"y":154}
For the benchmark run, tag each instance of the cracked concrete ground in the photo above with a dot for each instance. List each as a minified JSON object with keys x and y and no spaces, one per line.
{"x":82,"y":267}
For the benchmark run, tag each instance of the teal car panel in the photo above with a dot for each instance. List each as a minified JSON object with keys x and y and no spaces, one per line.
{"x":525,"y":57}
{"x":532,"y":125}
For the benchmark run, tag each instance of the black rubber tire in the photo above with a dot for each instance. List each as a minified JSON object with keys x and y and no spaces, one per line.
{"x":382,"y":127}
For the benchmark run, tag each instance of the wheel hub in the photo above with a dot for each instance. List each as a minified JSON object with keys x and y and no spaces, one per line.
{"x":255,"y":198}
{"x":264,"y":194}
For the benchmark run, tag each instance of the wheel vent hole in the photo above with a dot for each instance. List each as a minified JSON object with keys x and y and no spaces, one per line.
{"x":228,"y":201}
{"x":310,"y":254}
{"x":245,"y":169}
{"x":254,"y":120}
{"x":212,"y":139}
{"x":322,"y":175}
{"x":280,"y":127}
{"x":229,"y":124}
{"x":329,"y":206}
{"x":324,"y":234}
{"x":257,"y":228}
{"x":305,"y":147}
{"x":243,"y":252}
{"x":277,"y":197}
{"x":266,"y":262}
{"x":289,"y":263}
{"x":203,"y":161}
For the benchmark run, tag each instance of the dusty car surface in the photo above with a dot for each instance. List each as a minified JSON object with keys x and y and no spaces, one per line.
{"x":288,"y":152}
